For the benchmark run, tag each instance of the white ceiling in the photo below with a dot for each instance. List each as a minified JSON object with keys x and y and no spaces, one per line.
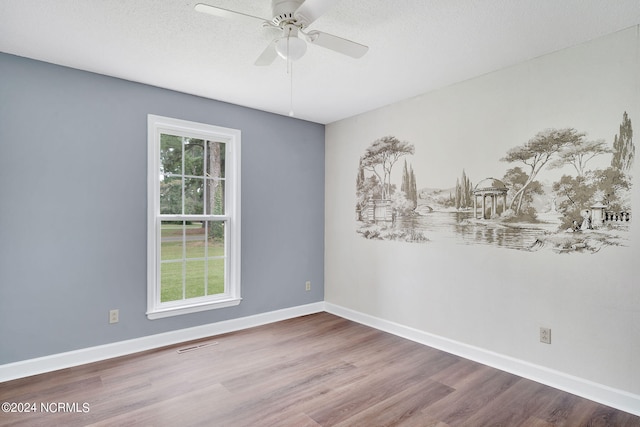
{"x":415,"y":45}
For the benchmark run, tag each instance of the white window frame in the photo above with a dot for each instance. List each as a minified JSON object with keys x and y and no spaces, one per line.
{"x":157,"y":125}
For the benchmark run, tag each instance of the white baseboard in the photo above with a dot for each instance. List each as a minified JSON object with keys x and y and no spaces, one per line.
{"x":606,"y":395}
{"x":25,"y":368}
{"x":609,"y":396}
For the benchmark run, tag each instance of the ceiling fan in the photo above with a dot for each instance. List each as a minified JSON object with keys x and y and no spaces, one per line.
{"x":292,"y":17}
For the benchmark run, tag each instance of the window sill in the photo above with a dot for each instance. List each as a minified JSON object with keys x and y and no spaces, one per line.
{"x":176,"y":311}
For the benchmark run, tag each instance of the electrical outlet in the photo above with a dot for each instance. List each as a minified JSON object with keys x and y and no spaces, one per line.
{"x":114,"y":316}
{"x":545,"y":335}
{"x":307,"y":286}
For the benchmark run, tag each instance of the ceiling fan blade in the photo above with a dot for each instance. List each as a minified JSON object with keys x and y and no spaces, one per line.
{"x":337,"y":44}
{"x":268,"y":55}
{"x":228,"y":14}
{"x":311,"y":10}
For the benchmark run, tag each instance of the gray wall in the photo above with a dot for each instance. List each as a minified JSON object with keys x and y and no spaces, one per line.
{"x":73,"y":207}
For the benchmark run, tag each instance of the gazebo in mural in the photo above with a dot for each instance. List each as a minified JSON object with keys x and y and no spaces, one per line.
{"x":494,"y":191}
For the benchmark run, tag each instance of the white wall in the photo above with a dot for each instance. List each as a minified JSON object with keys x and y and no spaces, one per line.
{"x":486,"y":296}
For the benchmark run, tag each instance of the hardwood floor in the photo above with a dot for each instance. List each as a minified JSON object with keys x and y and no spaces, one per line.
{"x":317,"y":370}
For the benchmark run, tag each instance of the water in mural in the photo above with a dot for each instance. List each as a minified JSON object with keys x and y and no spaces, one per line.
{"x":584,"y":210}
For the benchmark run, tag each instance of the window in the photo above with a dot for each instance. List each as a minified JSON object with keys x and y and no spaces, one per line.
{"x":193,"y":230}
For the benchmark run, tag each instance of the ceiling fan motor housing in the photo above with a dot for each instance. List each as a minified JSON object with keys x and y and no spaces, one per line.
{"x":292,"y":17}
{"x":283,"y":10}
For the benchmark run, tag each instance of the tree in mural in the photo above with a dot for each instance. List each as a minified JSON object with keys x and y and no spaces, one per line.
{"x":515,"y":180}
{"x":578,"y":153}
{"x":464,"y":192}
{"x":380,"y":157}
{"x":607,"y":186}
{"x":574,"y":193}
{"x":613,"y":184}
{"x":536,"y":153}
{"x":409,"y":186}
{"x":366,"y":188}
{"x":370,"y":164}
{"x":623,"y":148}
{"x":610,"y":186}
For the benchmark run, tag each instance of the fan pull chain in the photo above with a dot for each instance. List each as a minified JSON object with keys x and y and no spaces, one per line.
{"x":291,"y":90}
{"x":290,"y":72}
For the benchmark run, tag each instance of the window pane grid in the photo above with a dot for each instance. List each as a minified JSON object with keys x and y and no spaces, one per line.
{"x":195,"y":215}
{"x":195,"y":177}
{"x":192,"y":259}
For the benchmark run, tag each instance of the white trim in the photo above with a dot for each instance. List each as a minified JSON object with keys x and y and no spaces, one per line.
{"x":25,"y":368}
{"x":606,"y":395}
{"x":600,"y":393}
{"x":160,"y":313}
{"x":156,"y":125}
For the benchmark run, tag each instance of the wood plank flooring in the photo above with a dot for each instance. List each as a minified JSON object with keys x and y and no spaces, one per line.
{"x":317,"y":370}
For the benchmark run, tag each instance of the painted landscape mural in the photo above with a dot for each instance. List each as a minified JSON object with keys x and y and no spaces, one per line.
{"x":562,"y":191}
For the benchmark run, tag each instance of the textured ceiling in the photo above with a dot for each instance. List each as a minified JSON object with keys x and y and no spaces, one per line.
{"x":415,"y":45}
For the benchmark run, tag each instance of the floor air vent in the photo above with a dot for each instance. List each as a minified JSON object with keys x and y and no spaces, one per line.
{"x":196,"y":347}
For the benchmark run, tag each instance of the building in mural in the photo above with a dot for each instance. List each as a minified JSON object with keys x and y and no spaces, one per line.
{"x":496,"y":192}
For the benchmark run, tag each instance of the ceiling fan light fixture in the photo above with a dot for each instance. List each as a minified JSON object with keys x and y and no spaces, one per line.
{"x":291,"y":47}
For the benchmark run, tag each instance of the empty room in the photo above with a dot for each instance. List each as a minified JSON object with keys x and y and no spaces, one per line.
{"x":319,"y":213}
